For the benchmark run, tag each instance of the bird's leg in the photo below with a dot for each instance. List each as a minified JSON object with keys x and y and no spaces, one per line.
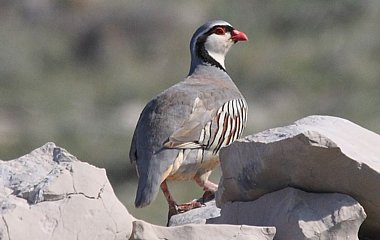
{"x":172,"y":204}
{"x":210,"y":189}
{"x":174,"y":208}
{"x":208,"y":186}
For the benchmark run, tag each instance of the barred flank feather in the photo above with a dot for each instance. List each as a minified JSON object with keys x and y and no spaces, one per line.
{"x":230,"y":121}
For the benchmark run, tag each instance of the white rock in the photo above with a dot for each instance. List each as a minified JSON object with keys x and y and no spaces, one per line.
{"x":298,"y":215}
{"x":62,"y":199}
{"x":317,"y":154}
{"x":49,"y":194}
{"x":143,"y":230}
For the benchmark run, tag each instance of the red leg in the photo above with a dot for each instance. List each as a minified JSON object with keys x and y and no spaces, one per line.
{"x":174,"y":208}
{"x":172,"y":204}
{"x":169,"y":198}
{"x":210,"y":189}
{"x":208,"y":186}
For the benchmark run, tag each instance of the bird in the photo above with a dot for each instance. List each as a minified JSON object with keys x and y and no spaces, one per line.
{"x":180,"y":132}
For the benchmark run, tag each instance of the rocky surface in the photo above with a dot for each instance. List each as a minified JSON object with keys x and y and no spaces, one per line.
{"x":318,"y":154}
{"x":310,"y":180}
{"x":49,"y":194}
{"x":298,"y":215}
{"x":143,"y":230}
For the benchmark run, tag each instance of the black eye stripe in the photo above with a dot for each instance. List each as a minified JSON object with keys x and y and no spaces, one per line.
{"x":229,"y":29}
{"x":225,"y":27}
{"x":202,"y":38}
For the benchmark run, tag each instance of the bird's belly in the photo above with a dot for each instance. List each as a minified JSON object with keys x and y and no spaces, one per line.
{"x":192,"y":162}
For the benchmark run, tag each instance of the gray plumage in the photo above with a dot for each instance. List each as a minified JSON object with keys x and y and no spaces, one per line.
{"x":180,"y":132}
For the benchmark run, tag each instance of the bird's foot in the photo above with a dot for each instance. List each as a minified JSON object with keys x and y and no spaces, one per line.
{"x":184,"y":207}
{"x":175,"y":209}
{"x":207,"y":196}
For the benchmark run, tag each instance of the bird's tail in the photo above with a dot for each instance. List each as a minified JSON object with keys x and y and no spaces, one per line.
{"x":147,"y":190}
{"x":151,"y":173}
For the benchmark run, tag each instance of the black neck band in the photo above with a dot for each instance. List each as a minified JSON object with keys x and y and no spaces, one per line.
{"x":202,"y":53}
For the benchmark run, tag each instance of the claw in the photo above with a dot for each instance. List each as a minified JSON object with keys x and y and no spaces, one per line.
{"x":188,"y":206}
{"x":175,"y":209}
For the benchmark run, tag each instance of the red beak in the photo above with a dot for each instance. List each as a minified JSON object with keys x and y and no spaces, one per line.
{"x":238,"y":36}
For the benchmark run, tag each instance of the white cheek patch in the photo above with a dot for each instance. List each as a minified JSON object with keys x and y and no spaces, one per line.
{"x":217,"y":46}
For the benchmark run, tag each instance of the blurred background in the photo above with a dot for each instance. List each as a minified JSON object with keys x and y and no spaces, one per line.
{"x":78,"y":72}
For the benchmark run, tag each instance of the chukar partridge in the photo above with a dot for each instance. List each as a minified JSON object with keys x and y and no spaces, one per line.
{"x":180,"y":132}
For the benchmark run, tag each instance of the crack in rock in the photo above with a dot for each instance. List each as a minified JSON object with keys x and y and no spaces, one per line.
{"x":99,"y":195}
{"x":6,"y":227}
{"x":110,"y":215}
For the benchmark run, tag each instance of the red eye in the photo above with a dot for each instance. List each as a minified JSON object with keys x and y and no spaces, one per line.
{"x":220,"y":31}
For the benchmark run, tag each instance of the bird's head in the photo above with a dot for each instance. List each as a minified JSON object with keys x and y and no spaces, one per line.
{"x":211,"y":42}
